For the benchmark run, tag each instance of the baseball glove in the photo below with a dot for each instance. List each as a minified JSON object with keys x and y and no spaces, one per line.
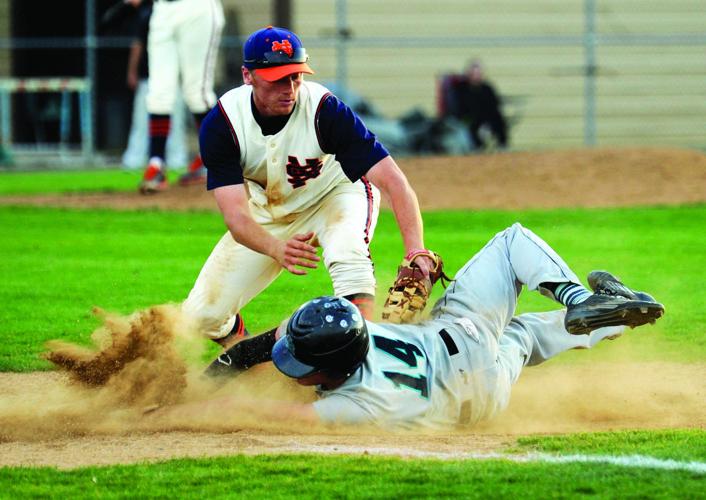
{"x":408,"y":296}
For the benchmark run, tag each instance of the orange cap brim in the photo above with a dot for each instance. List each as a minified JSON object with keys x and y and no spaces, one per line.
{"x":277,"y":72}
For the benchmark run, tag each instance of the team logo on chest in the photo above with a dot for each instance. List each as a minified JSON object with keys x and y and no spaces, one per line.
{"x":299,"y":174}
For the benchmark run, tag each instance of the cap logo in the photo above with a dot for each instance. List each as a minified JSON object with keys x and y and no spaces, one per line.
{"x":285,"y":46}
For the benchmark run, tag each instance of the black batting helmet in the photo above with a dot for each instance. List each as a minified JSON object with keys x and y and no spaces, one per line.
{"x":325,"y":334}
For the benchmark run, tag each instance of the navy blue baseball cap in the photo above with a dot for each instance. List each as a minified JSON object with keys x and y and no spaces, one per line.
{"x":274,"y":53}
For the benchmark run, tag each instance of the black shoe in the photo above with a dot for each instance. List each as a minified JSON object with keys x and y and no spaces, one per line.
{"x":605,"y":283}
{"x":601,"y":309}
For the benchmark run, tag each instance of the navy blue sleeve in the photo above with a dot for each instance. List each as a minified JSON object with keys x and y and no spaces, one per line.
{"x":220,"y":151}
{"x":343,"y":133}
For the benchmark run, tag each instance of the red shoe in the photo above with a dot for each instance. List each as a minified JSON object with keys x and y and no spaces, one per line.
{"x":153,"y":181}
{"x":195,"y":174}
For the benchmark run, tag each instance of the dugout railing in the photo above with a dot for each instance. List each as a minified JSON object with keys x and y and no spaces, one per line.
{"x":66,"y":88}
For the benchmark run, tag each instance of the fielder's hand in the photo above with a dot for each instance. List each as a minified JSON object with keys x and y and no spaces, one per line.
{"x":297,"y":252}
{"x":416,"y":276}
{"x":426,"y":263}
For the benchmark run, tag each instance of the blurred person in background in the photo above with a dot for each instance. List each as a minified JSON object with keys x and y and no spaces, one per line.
{"x":182,"y":45}
{"x":136,"y":153}
{"x":476,"y":103}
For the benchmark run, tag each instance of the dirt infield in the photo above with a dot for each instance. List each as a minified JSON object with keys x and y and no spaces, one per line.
{"x":547,"y":400}
{"x":46,"y":419}
{"x":580,"y":178}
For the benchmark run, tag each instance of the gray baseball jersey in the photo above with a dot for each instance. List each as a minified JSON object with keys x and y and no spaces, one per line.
{"x":458,"y":368}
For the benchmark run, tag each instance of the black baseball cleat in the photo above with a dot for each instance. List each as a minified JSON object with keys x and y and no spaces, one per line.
{"x":222,"y":366}
{"x":612,"y":304}
{"x":605,"y":283}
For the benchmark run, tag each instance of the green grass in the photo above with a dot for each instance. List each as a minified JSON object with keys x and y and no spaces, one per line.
{"x":315,"y":476}
{"x":79,"y":181}
{"x":682,"y":444}
{"x":59,"y":263}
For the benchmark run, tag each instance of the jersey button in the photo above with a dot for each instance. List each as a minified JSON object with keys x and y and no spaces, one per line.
{"x":273,"y":145}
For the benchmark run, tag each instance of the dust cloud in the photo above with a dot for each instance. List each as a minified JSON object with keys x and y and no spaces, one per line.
{"x":153,"y":360}
{"x":138,"y":364}
{"x":602,"y":396}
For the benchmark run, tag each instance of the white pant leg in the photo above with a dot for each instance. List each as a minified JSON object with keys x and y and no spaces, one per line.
{"x":544,"y":335}
{"x":530,"y":339}
{"x":198,"y":39}
{"x":177,"y":150}
{"x":232,"y":275}
{"x":344,"y":224}
{"x":135,"y":155}
{"x":485,"y":290}
{"x":163,"y":60}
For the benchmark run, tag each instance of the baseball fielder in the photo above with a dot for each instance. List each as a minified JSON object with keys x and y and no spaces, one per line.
{"x":291,"y":167}
{"x":456,"y":368}
{"x":183,"y":41}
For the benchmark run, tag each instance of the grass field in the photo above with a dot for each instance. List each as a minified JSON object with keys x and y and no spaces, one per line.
{"x":310,"y":476}
{"x":79,"y":181}
{"x":59,"y":263}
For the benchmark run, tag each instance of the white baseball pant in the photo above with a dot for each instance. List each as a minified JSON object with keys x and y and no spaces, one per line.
{"x":183,"y":41}
{"x":344,"y":222}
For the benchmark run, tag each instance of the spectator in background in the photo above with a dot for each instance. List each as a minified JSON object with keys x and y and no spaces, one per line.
{"x":478,"y":104}
{"x":135,"y":155}
{"x":183,"y":41}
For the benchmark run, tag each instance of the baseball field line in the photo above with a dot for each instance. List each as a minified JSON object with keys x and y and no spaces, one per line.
{"x":633,"y":461}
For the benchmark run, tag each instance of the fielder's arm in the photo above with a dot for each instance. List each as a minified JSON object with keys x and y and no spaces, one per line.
{"x":291,"y":254}
{"x":133,"y":64}
{"x":395,"y":187}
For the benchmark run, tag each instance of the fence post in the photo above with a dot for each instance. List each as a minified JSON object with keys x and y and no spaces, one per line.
{"x":342,"y":34}
{"x":87,"y":131}
{"x":589,"y":85}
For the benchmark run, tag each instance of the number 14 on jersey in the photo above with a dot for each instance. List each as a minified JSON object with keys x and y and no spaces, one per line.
{"x":410,"y":355}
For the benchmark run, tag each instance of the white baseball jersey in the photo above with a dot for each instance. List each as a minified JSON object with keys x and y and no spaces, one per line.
{"x":294,"y":187}
{"x":458,"y":368}
{"x":309,"y":175}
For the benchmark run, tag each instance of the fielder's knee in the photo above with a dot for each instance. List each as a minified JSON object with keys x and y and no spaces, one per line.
{"x":209,"y":323}
{"x":352,"y":278}
{"x":197,"y":103}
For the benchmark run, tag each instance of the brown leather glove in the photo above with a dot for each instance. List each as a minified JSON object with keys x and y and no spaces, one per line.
{"x":408,"y":296}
